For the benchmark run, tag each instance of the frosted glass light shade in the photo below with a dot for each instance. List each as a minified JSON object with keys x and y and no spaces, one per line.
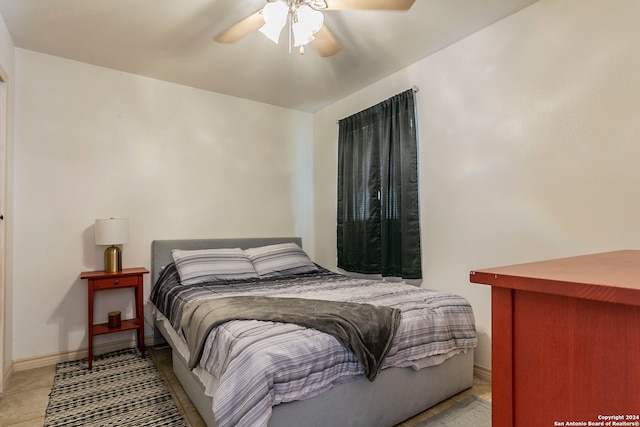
{"x":309,"y":22}
{"x":112,"y":231}
{"x":275,"y":18}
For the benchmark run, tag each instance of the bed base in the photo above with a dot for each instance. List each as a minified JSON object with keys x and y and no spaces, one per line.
{"x":396,"y":394}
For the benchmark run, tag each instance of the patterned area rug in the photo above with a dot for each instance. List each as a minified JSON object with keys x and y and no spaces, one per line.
{"x":122,"y":389}
{"x":472,"y":411}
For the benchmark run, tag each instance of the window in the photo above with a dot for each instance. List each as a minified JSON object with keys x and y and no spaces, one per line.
{"x":378,"y":217}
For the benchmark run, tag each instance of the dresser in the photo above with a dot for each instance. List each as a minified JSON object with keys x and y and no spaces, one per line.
{"x":566,"y":340}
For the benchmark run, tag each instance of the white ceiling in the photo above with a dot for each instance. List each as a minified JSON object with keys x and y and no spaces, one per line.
{"x":172,"y":40}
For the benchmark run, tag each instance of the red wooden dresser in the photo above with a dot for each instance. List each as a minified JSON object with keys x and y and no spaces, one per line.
{"x":566,"y":341}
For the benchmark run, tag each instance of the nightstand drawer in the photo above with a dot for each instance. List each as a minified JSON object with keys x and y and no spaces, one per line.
{"x":115,"y":282}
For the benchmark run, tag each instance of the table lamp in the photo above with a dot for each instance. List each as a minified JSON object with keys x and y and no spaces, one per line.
{"x":112,"y":231}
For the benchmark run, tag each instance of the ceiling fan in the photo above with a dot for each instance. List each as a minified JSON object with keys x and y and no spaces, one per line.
{"x":304,"y":20}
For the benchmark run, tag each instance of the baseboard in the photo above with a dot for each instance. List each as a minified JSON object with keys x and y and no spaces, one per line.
{"x":8,"y":373}
{"x":64,"y":356}
{"x":482,"y":372}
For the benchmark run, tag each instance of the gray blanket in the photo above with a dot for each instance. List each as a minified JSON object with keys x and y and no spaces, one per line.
{"x":367,"y":330}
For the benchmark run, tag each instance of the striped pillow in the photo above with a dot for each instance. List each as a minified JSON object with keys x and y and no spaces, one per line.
{"x":198,"y":266}
{"x":280,"y":260}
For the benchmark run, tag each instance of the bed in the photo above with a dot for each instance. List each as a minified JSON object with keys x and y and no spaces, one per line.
{"x":348,"y":396}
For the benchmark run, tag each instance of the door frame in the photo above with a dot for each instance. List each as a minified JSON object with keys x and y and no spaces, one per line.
{"x":4,"y":79}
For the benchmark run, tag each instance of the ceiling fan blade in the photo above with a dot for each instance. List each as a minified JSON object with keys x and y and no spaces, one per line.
{"x":241,"y":28}
{"x":325,"y":43}
{"x":369,"y":4}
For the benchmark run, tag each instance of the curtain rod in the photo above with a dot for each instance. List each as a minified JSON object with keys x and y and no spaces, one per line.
{"x":413,"y":88}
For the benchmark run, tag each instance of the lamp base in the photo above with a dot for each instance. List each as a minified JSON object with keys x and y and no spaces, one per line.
{"x":112,"y":259}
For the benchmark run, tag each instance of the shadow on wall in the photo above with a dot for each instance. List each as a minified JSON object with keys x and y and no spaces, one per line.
{"x":70,"y":316}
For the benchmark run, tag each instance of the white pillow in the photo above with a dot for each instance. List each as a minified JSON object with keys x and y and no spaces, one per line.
{"x":280,"y":260}
{"x":203,"y":265}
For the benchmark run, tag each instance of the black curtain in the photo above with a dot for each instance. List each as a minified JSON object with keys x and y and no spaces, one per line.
{"x":378,"y":218}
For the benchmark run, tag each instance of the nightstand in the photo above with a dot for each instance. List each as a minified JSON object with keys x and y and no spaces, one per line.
{"x":102,"y":281}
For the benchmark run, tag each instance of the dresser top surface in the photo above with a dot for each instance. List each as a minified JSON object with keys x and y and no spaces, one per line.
{"x":609,"y":276}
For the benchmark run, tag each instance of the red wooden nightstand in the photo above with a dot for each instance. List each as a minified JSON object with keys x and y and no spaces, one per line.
{"x":102,"y":281}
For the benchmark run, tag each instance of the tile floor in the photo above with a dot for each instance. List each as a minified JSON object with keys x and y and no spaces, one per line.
{"x":24,"y":401}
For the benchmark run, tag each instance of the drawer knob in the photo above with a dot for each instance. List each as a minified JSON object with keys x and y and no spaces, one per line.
{"x":116,"y":281}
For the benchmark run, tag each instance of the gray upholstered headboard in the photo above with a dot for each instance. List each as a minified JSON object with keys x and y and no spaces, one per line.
{"x":161,"y":249}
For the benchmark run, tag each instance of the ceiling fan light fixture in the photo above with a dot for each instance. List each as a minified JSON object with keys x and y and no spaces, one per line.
{"x":307,"y":22}
{"x":277,"y":14}
{"x":275,"y":18}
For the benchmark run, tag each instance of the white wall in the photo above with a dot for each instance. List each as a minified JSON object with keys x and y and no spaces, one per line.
{"x":529,"y":145}
{"x":178,"y":162}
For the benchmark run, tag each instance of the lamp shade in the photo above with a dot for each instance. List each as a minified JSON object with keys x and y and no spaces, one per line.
{"x":112,"y":231}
